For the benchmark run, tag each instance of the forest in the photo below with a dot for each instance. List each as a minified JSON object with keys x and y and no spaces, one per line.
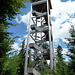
{"x":14,"y":65}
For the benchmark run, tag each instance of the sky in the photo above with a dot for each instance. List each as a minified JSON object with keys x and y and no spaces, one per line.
{"x":62,"y":17}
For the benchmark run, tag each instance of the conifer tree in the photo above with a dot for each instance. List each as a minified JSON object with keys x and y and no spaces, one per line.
{"x":61,"y":66}
{"x":8,"y":10}
{"x":21,"y":55}
{"x":71,"y":49}
{"x":59,"y":52}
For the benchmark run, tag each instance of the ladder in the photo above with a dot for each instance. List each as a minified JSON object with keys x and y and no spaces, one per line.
{"x":40,"y":31}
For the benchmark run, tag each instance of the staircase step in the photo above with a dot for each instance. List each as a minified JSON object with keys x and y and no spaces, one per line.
{"x":39,"y":2}
{"x":39,"y":28}
{"x":39,"y":42}
{"x":33,"y":71}
{"x":38,"y":14}
{"x":46,"y":38}
{"x":33,"y":27}
{"x":34,"y":46}
{"x":38,"y":64}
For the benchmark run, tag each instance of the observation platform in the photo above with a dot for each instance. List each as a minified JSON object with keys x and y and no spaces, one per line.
{"x":41,"y":5}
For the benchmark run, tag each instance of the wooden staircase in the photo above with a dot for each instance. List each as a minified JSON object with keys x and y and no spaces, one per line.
{"x":32,"y":71}
{"x":40,"y":10}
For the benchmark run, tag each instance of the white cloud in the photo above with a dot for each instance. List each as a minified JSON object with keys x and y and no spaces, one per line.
{"x":62,"y":13}
{"x":17,"y":19}
{"x":30,"y":40}
{"x":24,"y":19}
{"x":25,"y":36}
{"x":73,"y":22}
{"x":15,"y":46}
{"x":20,"y":40}
{"x":66,"y":60}
{"x":62,"y":8}
{"x":65,"y":51}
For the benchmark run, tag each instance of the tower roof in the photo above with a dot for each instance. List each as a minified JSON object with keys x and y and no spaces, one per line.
{"x":41,"y":5}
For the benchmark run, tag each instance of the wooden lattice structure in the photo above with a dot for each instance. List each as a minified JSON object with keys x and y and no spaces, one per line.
{"x":40,"y":9}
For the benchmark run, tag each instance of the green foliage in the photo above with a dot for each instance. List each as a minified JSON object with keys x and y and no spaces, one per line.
{"x":21,"y":55}
{"x":46,"y":66}
{"x":45,"y":46}
{"x":71,"y":49}
{"x":15,"y":64}
{"x":8,"y":10}
{"x":47,"y":70}
{"x":30,"y":63}
{"x":62,"y":68}
{"x":5,"y":42}
{"x":59,"y":52}
{"x":11,"y":65}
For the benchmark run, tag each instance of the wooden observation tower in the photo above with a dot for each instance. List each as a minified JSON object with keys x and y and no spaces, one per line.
{"x":40,"y":31}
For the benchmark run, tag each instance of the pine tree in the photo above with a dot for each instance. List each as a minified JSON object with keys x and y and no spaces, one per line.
{"x":21,"y":55}
{"x":71,"y":49}
{"x":61,"y":66}
{"x":59,"y":53}
{"x":8,"y":10}
{"x":11,"y":65}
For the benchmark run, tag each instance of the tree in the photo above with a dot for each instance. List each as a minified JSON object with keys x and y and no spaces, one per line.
{"x":46,"y":66}
{"x":15,"y":64}
{"x":11,"y":65}
{"x":8,"y":10}
{"x":71,"y":49}
{"x":61,"y":66}
{"x":5,"y":42}
{"x":21,"y":55}
{"x":59,"y":52}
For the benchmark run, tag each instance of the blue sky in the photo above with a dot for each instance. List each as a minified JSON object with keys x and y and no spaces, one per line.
{"x":63,"y":14}
{"x":20,"y":29}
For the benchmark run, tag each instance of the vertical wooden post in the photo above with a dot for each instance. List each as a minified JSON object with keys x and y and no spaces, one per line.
{"x":53,"y":53}
{"x":26,"y":56}
{"x":41,"y":52}
{"x":51,"y":56}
